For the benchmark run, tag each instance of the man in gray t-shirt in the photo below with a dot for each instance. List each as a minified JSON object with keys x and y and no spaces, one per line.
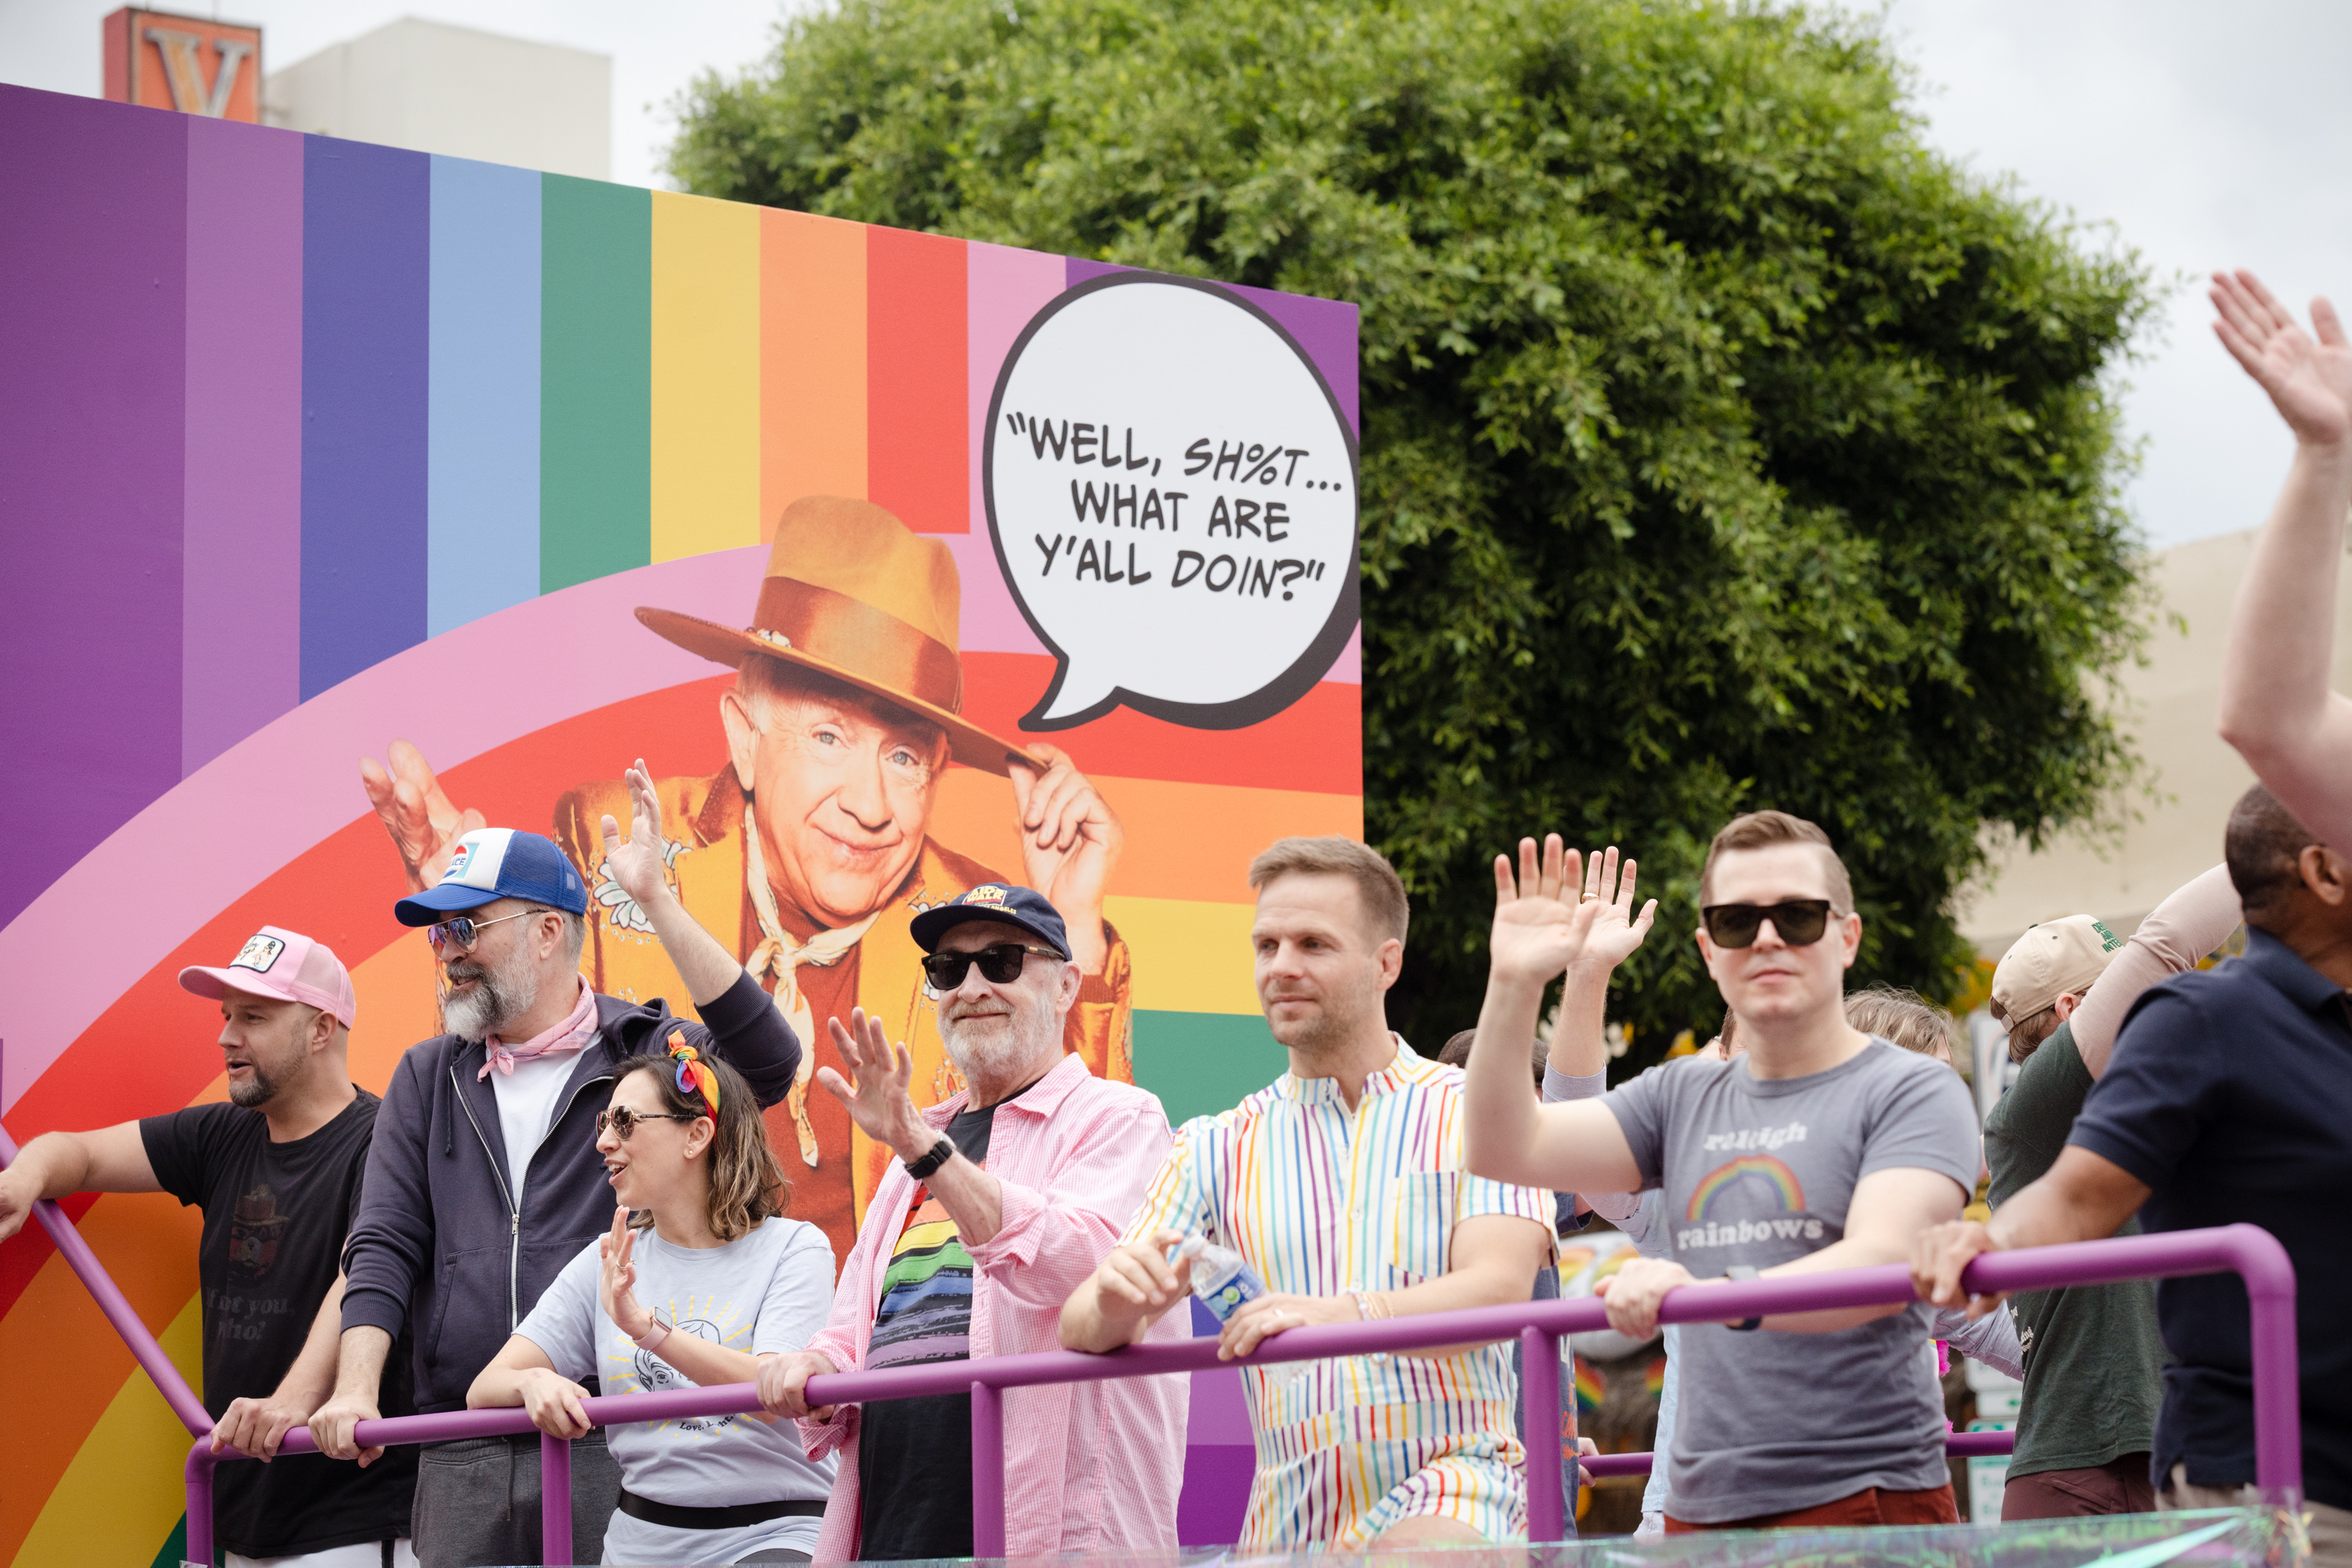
{"x":1759,"y":1173}
{"x":1821,"y":1149}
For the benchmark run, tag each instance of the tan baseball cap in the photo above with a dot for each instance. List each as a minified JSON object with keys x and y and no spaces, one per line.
{"x":2049,"y":961}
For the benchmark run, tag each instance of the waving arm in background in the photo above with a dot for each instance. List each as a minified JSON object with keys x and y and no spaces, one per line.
{"x":1577,"y":1067}
{"x":2277,"y":709}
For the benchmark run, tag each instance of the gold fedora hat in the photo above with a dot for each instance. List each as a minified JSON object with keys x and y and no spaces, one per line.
{"x":853,"y":593}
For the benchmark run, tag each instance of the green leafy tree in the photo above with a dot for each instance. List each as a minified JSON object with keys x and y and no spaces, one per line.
{"x":1724,"y":447}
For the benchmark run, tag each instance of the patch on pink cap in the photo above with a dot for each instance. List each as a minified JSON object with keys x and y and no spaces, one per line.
{"x":283,"y":965}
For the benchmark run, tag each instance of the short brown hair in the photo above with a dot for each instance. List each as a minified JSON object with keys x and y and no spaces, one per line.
{"x":1455,"y":1053}
{"x":2025,"y":1036}
{"x":1377,"y":886}
{"x":1762,"y":830}
{"x":2263,"y":845}
{"x":1906,"y":1017}
{"x":747,"y":1185}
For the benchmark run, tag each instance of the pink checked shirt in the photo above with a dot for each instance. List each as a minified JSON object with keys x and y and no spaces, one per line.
{"x":1088,"y":1466}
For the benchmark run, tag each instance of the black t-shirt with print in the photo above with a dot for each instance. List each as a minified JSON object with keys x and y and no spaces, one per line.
{"x":914,"y":1455}
{"x":275,"y":1219}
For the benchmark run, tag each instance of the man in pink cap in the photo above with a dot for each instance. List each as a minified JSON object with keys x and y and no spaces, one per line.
{"x":277,"y":1171}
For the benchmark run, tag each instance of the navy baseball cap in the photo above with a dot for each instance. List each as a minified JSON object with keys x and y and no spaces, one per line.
{"x":494,"y":863}
{"x":1023,"y":907}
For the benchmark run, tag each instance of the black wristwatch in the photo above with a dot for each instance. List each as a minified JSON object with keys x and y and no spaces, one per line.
{"x":941,"y":1152}
{"x":1741,"y":1271}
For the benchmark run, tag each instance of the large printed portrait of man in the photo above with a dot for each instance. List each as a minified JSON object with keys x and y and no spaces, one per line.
{"x":811,"y":851}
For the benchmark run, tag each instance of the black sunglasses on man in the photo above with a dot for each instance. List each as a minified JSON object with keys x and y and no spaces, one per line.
{"x":1000,"y":965}
{"x":1799,"y":921}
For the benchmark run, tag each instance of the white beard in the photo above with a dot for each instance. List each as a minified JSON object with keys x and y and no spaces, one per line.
{"x":1003,"y":1058}
{"x":500,"y":995}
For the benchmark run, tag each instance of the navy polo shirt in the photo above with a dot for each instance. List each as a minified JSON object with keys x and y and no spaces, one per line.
{"x":2230,"y":1096}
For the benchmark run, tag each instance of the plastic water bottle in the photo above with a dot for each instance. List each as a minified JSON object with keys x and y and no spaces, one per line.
{"x":1221,"y":1278}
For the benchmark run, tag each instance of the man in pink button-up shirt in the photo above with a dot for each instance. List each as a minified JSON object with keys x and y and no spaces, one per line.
{"x":1002,"y":1199}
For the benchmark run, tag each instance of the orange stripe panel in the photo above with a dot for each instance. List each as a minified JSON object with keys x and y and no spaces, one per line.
{"x":1183,"y":841}
{"x":812,"y":360}
{"x":66,"y":1360}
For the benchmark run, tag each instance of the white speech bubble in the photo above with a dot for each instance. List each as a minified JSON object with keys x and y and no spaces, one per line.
{"x":1172,"y":493}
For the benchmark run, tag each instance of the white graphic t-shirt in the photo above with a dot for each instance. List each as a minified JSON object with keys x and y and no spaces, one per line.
{"x":768,"y":1290}
{"x":1759,"y":1173}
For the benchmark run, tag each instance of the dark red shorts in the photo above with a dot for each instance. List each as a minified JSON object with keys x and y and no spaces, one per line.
{"x":1871,"y":1505}
{"x":2119,"y":1486}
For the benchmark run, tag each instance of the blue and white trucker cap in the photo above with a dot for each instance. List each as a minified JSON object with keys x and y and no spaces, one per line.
{"x":497,"y":863}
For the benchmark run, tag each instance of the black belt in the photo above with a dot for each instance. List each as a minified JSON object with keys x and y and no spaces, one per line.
{"x":734,"y":1518}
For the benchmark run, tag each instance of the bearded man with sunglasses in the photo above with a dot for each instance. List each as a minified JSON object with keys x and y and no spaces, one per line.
{"x":1820,"y":1148}
{"x":484,"y":1179}
{"x":1000,"y":1201}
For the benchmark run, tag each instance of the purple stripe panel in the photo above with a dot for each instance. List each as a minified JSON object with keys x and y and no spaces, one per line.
{"x":1326,"y":328}
{"x":93,"y":247}
{"x":241,"y":663}
{"x":366,"y":286}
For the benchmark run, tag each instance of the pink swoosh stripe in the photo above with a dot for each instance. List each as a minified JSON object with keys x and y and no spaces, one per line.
{"x":208,"y":840}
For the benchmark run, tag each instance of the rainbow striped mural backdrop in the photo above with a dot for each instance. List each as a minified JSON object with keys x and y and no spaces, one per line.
{"x":307,"y":444}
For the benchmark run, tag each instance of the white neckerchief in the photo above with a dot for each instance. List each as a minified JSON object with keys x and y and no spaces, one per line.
{"x":780,"y":954}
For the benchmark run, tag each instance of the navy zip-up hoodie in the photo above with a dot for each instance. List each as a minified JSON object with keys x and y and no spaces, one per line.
{"x":436,"y":1243}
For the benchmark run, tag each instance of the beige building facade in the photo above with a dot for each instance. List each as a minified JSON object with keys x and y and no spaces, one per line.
{"x":459,"y":91}
{"x":2174,"y":821}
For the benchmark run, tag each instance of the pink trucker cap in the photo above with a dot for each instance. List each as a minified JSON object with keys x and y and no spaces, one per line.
{"x":285,"y":965}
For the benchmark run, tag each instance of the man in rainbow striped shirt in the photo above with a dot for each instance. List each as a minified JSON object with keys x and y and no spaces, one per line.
{"x":1342,"y":1183}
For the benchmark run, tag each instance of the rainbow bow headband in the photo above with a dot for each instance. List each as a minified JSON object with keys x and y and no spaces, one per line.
{"x":693,"y":1073}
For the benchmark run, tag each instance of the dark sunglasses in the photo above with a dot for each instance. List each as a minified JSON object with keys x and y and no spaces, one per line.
{"x":462,"y":932}
{"x":624,"y":1121}
{"x":1800,"y":921}
{"x":999,"y":965}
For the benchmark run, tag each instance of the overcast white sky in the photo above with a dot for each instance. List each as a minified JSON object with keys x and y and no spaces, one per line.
{"x":2205,"y":137}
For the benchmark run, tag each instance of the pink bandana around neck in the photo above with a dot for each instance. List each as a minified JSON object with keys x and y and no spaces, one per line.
{"x":569,"y":1035}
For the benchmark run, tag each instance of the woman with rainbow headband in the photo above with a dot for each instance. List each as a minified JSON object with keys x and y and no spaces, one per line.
{"x":720,"y":1280}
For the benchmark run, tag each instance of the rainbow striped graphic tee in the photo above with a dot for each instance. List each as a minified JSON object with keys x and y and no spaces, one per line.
{"x":914,"y":1455}
{"x":926,"y":1310}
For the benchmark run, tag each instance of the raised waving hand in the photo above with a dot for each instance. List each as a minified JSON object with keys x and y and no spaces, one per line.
{"x":424,"y":825}
{"x":2307,"y":375}
{"x":1616,"y":930}
{"x":1541,"y":920}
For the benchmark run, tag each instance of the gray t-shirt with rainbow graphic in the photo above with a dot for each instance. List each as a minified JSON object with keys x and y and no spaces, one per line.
{"x":1759,"y":1173}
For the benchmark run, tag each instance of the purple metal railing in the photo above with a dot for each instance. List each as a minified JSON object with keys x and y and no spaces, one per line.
{"x":110,"y":1300}
{"x":2246,"y":1250}
{"x":2250,"y":1252}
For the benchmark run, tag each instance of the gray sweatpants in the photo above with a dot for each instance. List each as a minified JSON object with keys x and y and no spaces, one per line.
{"x":478,"y":1501}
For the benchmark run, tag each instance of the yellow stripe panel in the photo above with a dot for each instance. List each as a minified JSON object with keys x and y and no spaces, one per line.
{"x":706,"y":375}
{"x":123,"y":1492}
{"x":1188,"y":957}
{"x":396,"y":997}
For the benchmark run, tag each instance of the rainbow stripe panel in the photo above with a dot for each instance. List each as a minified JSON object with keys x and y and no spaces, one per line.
{"x":308,"y":444}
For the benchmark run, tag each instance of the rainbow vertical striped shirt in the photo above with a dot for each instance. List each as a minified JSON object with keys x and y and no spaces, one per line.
{"x":1323,"y":1200}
